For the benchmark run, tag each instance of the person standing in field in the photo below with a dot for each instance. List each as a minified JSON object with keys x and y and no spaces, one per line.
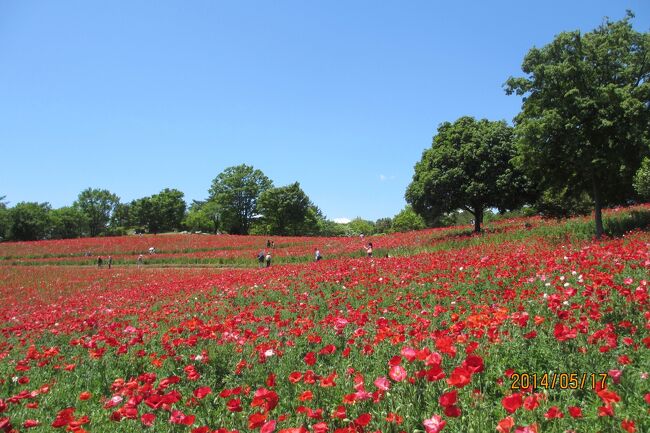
{"x":99,"y":262}
{"x":260,"y":259}
{"x":317,"y":255}
{"x":110,"y":261}
{"x":268,"y":259}
{"x":140,"y":260}
{"x":369,"y":249}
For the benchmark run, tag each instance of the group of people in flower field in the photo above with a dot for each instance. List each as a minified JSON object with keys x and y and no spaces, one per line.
{"x":264,"y":257}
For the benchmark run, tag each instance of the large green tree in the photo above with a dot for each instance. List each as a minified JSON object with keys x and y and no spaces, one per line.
{"x":406,"y":220}
{"x":204,"y":216}
{"x":585,"y":119}
{"x":287,"y":210}
{"x":67,"y":222}
{"x":160,"y":212}
{"x":29,"y":221}
{"x":171,"y":207}
{"x":98,"y":206}
{"x":237,"y":189}
{"x":4,"y":218}
{"x":359,"y":226}
{"x":467,"y":167}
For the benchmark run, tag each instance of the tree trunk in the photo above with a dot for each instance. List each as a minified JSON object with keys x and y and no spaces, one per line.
{"x":478,"y":219}
{"x":598,"y":211}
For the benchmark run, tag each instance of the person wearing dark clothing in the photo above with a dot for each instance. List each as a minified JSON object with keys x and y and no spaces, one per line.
{"x":268,"y":259}
{"x":110,"y":262}
{"x":100,"y":262}
{"x":260,"y":259}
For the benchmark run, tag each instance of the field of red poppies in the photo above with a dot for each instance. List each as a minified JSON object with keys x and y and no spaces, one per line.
{"x":526,"y":328}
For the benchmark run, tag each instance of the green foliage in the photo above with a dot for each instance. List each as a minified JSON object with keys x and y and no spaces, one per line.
{"x":331,"y":228}
{"x":98,"y":206}
{"x":407,"y":220}
{"x":121,"y":216}
{"x":459,"y":217}
{"x":286,"y":211}
{"x":67,"y":222}
{"x":383,"y":225}
{"x":585,"y":119}
{"x":359,"y":226}
{"x":170,"y":205}
{"x":4,"y":218}
{"x":160,"y":212}
{"x":561,"y":203}
{"x":199,"y":219}
{"x":237,"y":189}
{"x":29,"y":221}
{"x":468,"y":166}
{"x":626,"y":222}
{"x":642,"y":180}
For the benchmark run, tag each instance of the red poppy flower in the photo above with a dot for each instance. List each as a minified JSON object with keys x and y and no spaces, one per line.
{"x":397,"y":373}
{"x":452,"y":411}
{"x":178,"y":417}
{"x":234,"y":405}
{"x":512,"y":402}
{"x":256,"y":420}
{"x":63,"y":418}
{"x":460,"y":377}
{"x":148,"y":419}
{"x":310,"y":358}
{"x":382,"y":383}
{"x":434,"y":424}
{"x":268,"y":427}
{"x":575,"y":411}
{"x":505,"y":424}
{"x":553,"y":412}
{"x":448,"y":398}
{"x":628,"y":426}
{"x":608,"y":396}
{"x":363,"y":419}
{"x":202,"y":392}
{"x":606,"y":410}
{"x":474,"y":363}
{"x":29,"y":423}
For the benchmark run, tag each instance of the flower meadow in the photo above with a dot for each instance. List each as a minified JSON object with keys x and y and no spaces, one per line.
{"x":520,"y":330}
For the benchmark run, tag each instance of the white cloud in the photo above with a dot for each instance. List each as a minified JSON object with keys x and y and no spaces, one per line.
{"x":383,"y":177}
{"x":342,"y":220}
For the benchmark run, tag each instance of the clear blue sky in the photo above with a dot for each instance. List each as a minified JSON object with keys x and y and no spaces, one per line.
{"x":342,"y":96}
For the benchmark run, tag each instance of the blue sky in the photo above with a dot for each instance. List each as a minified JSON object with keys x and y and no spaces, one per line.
{"x":342,"y":97}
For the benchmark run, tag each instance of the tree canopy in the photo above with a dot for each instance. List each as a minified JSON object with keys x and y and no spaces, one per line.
{"x":29,"y":221}
{"x":407,"y":220}
{"x":467,"y":167}
{"x":160,"y":212}
{"x":98,"y":206}
{"x":287,"y":210}
{"x":237,"y":189}
{"x":585,"y":118}
{"x":67,"y":222}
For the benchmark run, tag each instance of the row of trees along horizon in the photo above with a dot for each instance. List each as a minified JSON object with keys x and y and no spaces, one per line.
{"x":580,"y":143}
